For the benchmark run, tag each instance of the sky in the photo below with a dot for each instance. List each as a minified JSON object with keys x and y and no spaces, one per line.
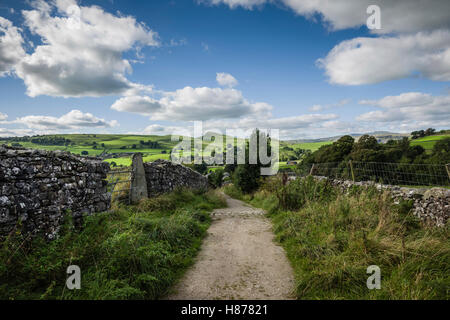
{"x":310,"y":68}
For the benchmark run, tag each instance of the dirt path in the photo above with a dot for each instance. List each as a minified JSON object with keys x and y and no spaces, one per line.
{"x":238,"y":260}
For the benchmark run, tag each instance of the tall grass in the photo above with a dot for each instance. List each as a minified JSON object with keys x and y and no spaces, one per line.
{"x":331,"y":238}
{"x":134,"y":252}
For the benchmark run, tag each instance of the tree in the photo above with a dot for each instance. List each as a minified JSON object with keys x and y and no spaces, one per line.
{"x":84,"y":153}
{"x":366,"y":142}
{"x":430,"y":131}
{"x":417,"y":134}
{"x":247,"y":176}
{"x":335,"y":152}
{"x":414,"y":151}
{"x":441,"y":152}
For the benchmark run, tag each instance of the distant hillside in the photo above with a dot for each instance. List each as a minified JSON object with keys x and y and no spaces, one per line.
{"x":382,"y":136}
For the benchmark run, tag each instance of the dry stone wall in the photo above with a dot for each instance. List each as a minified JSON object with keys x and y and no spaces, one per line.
{"x":164,"y":176}
{"x":38,"y":188}
{"x":430,"y":205}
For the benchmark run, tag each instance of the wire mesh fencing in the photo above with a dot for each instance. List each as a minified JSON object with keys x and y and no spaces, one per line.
{"x":387,"y":173}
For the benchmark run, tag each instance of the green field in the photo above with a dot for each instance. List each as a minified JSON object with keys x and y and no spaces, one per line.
{"x":428,"y":142}
{"x":97,"y":144}
{"x":313,"y":146}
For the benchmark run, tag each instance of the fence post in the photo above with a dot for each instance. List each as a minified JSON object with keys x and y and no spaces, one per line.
{"x":447,"y":167}
{"x":138,"y":186}
{"x":311,"y":172}
{"x":351,"y":169}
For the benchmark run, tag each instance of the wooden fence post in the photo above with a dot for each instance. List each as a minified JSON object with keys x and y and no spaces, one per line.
{"x":351,"y":169}
{"x":447,"y":167}
{"x":138,"y":185}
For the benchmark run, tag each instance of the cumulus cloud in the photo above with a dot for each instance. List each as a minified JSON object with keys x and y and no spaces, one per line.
{"x":75,"y":119}
{"x":3,"y":116}
{"x":397,"y":16}
{"x":371,"y":60}
{"x":409,"y":110}
{"x":81,"y":50}
{"x":160,"y":130}
{"x":420,"y":45}
{"x":15,"y":132}
{"x":226,"y":80}
{"x":193,"y":104}
{"x":289,"y":127}
{"x":11,"y":50}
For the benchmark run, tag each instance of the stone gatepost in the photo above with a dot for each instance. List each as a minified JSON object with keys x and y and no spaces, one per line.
{"x":138,"y":190}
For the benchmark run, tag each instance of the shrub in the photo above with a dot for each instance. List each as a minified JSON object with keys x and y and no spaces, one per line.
{"x":295,"y":194}
{"x":134,"y":252}
{"x":334,"y":237}
{"x":246,"y":177}
{"x":215,"y":178}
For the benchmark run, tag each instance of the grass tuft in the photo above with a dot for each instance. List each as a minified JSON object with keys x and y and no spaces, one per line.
{"x":331,"y":238}
{"x":134,"y":252}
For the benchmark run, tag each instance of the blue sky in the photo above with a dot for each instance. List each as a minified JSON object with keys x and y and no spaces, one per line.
{"x":164,"y":57}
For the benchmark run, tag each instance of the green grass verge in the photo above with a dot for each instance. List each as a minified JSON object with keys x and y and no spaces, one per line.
{"x":134,"y":252}
{"x":331,"y":242}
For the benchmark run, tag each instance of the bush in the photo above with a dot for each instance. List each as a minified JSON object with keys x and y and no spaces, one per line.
{"x":215,"y":178}
{"x":334,"y":237}
{"x":246,"y":177}
{"x":134,"y":252}
{"x":295,"y":194}
{"x":233,"y":192}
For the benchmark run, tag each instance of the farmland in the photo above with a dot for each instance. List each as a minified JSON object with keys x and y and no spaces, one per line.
{"x":124,"y":145}
{"x":428,"y":142}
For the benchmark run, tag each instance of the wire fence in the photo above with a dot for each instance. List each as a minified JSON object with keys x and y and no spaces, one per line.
{"x":386,"y":173}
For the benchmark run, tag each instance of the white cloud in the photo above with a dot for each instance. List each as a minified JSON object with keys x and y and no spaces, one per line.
{"x":3,"y":116}
{"x":290,"y":127}
{"x":75,"y":119}
{"x":248,"y":4}
{"x":193,"y":104}
{"x":81,"y":50}
{"x":160,"y":130}
{"x":287,"y":123}
{"x":396,"y":16}
{"x":15,"y":132}
{"x":319,"y":107}
{"x":11,"y":50}
{"x":205,"y":46}
{"x":178,"y":43}
{"x":226,"y":80}
{"x":316,"y":108}
{"x":372,"y":60}
{"x":408,"y":111}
